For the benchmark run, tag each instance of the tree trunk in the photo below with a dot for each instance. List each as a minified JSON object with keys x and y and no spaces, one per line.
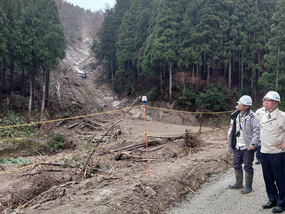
{"x":31,"y":97}
{"x":230,"y":75}
{"x":251,"y":85}
{"x":197,"y":68}
{"x":253,"y":79}
{"x":161,"y":80}
{"x":12,"y":76}
{"x":47,"y":88}
{"x":164,"y":72}
{"x":260,"y":65}
{"x":241,"y":79}
{"x":208,"y":75}
{"x":23,"y":79}
{"x":112,"y":74}
{"x":277,"y":69}
{"x":225,"y":70}
{"x":138,"y":75}
{"x":1,"y":68}
{"x":170,"y":83}
{"x":4,"y":75}
{"x":239,"y":72}
{"x":193,"y":77}
{"x":44,"y":95}
{"x":205,"y":62}
{"x":233,"y":65}
{"x":34,"y":87}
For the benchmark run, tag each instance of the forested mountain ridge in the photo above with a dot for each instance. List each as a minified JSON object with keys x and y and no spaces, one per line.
{"x":35,"y":36}
{"x":197,"y":52}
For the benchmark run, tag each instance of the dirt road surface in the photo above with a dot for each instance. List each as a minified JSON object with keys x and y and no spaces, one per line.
{"x":216,"y":197}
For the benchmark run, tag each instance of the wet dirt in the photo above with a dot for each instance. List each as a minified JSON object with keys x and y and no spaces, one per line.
{"x":119,"y":180}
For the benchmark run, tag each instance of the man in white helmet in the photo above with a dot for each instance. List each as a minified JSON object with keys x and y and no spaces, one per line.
{"x":243,"y":137}
{"x":272,"y":138}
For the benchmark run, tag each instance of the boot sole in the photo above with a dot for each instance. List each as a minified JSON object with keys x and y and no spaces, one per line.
{"x":236,"y":187}
{"x":245,"y":192}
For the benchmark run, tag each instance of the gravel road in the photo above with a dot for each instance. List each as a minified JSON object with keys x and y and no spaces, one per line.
{"x":215,"y":197}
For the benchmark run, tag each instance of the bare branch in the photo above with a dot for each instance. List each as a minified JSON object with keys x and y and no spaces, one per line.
{"x":83,"y":169}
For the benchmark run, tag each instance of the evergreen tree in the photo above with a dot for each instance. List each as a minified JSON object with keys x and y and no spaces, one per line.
{"x":163,"y":42}
{"x":189,"y":51}
{"x":216,"y":40}
{"x":212,"y":29}
{"x":275,"y":60}
{"x":3,"y":34}
{"x":132,"y":35}
{"x":12,"y":9}
{"x":257,"y":27}
{"x":146,"y":62}
{"x":238,"y":35}
{"x":105,"y":49}
{"x":3,"y":44}
{"x":39,"y":41}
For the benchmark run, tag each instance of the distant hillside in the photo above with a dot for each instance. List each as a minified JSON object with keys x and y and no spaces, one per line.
{"x":78,"y":23}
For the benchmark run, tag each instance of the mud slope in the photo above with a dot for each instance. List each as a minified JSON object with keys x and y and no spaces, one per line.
{"x":124,"y":185}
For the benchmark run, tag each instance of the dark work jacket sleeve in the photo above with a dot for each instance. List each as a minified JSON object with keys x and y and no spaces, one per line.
{"x":233,"y":139}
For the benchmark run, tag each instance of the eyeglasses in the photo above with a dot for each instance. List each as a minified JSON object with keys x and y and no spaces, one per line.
{"x":266,"y":99}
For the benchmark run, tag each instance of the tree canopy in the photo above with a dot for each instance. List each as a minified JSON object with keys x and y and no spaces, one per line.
{"x":235,"y":45}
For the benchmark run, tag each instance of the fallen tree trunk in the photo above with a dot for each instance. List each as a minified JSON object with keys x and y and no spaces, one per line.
{"x":140,"y":145}
{"x":59,"y":123}
{"x":126,"y":148}
{"x":73,"y":125}
{"x":2,"y":167}
{"x":92,"y":122}
{"x":23,"y":199}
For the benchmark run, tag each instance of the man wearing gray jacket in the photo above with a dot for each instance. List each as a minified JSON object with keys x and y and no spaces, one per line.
{"x":243,"y":137}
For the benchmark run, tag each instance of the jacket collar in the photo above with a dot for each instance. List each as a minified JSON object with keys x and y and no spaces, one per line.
{"x":248,"y":113}
{"x":234,"y":114}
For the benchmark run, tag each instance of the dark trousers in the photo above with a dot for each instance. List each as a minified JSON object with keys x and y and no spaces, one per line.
{"x":257,"y":154}
{"x":273,"y":169}
{"x":245,"y":157}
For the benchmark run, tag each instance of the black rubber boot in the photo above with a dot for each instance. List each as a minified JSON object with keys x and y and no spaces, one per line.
{"x":239,"y":179}
{"x":248,"y":183}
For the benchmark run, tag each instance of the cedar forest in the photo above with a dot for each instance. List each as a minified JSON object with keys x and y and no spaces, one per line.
{"x":192,"y":53}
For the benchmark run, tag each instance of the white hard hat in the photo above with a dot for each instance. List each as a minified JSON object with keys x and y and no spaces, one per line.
{"x":272,"y":95}
{"x":245,"y":100}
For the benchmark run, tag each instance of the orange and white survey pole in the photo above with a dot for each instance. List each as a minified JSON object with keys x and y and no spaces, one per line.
{"x":144,"y":100}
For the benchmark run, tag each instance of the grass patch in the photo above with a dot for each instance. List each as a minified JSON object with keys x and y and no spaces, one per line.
{"x":56,"y":143}
{"x":14,"y":160}
{"x":12,"y":119}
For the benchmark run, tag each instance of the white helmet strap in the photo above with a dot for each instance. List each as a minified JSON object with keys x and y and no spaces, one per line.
{"x":270,"y":110}
{"x":245,"y":110}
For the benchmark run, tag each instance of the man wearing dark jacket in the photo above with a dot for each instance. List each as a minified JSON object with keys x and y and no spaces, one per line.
{"x":243,"y":137}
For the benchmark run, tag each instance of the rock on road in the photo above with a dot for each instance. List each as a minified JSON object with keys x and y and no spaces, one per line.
{"x":215,"y":197}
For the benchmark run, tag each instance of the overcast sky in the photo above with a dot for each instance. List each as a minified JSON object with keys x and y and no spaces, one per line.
{"x":93,"y":5}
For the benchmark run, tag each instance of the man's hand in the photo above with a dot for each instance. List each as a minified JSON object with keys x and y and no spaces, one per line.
{"x":281,"y":146}
{"x":251,"y":147}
